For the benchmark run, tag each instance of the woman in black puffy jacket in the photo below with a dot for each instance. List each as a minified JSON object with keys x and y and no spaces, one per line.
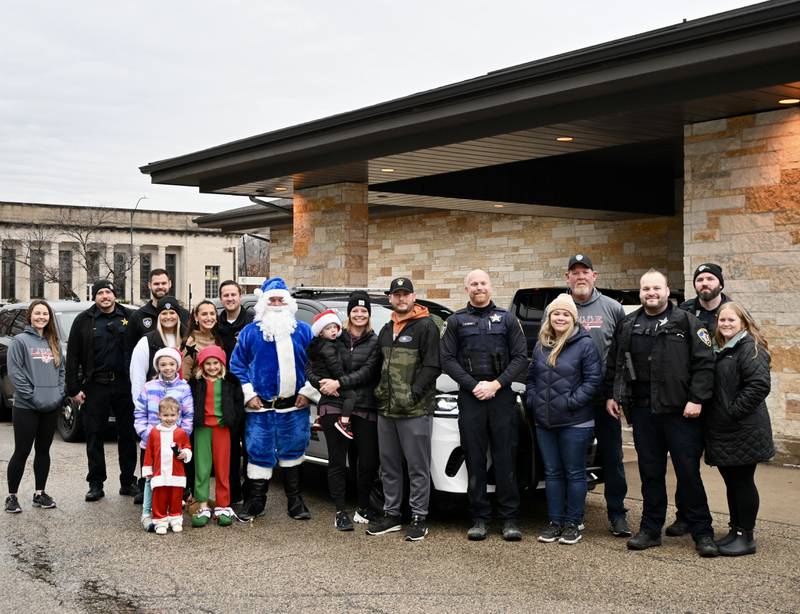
{"x":361,"y":363}
{"x":563,"y":379}
{"x":737,"y":426}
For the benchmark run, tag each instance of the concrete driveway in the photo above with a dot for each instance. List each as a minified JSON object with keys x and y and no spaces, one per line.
{"x":85,"y":557}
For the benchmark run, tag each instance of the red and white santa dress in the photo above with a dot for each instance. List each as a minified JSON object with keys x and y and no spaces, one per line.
{"x":167,"y":474}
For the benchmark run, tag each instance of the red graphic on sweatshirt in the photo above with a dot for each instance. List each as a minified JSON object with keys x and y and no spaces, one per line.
{"x":589,"y":322}
{"x":45,"y":355}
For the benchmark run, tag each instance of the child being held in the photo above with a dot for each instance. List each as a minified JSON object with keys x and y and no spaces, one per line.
{"x":167,"y":363}
{"x":168,"y":449}
{"x":218,"y":407}
{"x":326,"y":359}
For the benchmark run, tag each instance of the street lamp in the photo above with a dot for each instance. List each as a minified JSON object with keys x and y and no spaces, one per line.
{"x":135,"y":207}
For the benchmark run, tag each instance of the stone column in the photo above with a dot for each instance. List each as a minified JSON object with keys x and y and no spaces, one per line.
{"x":742,"y":211}
{"x":330,"y":236}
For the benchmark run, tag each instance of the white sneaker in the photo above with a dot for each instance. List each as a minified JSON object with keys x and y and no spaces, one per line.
{"x":177,"y":528}
{"x":161,"y":530}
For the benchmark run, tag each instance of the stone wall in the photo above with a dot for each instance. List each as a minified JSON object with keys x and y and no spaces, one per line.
{"x":742,"y":210}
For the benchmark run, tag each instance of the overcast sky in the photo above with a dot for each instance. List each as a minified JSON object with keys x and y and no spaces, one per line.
{"x":91,"y":90}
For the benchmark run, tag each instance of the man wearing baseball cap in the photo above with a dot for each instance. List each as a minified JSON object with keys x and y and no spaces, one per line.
{"x":409,"y":344}
{"x":97,"y":377}
{"x":599,"y":315}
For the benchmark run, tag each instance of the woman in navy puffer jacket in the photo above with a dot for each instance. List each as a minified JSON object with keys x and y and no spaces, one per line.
{"x":564,"y":377}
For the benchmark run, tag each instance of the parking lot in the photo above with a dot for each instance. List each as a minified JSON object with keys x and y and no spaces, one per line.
{"x":94,"y":558}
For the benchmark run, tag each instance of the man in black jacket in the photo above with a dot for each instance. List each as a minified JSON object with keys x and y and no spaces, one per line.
{"x":97,"y":377}
{"x":145,"y":319}
{"x":483,"y":349}
{"x":660,"y":370}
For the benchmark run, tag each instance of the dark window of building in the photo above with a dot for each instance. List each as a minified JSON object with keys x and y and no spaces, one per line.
{"x":93,"y":266}
{"x":120,"y":273}
{"x":9,"y":273}
{"x":212,"y":282}
{"x":171,"y":266}
{"x":145,"y":266}
{"x":37,"y":273}
{"x":65,"y":274}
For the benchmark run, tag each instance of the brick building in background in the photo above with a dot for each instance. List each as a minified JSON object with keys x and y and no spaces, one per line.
{"x":664,"y":149}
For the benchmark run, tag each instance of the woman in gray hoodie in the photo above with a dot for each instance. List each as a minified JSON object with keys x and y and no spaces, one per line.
{"x":36,"y":367}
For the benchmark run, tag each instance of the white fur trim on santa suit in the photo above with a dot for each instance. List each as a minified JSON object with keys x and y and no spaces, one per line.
{"x":323,"y":319}
{"x":176,"y":523}
{"x":284,"y":347}
{"x":254,"y":472}
{"x":291,"y":463}
{"x":309,"y":392}
{"x":249,"y":393}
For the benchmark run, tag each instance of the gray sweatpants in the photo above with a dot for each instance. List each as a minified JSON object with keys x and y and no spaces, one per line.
{"x":408,"y":438}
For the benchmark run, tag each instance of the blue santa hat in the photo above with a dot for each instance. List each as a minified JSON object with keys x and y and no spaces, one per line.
{"x":275,"y":286}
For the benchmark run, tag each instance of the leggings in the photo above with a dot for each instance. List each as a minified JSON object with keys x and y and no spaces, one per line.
{"x":31,"y":427}
{"x":742,"y":495}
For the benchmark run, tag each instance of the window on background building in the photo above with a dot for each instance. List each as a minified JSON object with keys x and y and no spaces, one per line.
{"x":65,"y":274}
{"x":9,"y":273}
{"x":120,"y":274}
{"x":37,"y":273}
{"x":171,"y":266}
{"x":145,"y":266}
{"x":93,"y":266}
{"x":212,"y":282}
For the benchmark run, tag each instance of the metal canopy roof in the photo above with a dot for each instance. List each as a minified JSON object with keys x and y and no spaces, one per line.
{"x":491,"y":140}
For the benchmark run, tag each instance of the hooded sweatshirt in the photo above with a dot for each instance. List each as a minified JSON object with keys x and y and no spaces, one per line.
{"x":599,"y":317}
{"x":38,"y":383}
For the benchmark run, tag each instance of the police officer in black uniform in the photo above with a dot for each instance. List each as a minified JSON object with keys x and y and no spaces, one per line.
{"x":145,"y":319}
{"x":97,"y":377}
{"x":483,"y":349}
{"x":659,"y":371}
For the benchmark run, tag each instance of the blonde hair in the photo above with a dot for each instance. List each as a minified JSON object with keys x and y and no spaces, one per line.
{"x":201,"y":371}
{"x":548,"y":338}
{"x":169,"y":402}
{"x":748,"y":323}
{"x":177,"y":330}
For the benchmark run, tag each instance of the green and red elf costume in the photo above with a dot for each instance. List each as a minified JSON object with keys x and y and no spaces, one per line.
{"x":218,"y":406}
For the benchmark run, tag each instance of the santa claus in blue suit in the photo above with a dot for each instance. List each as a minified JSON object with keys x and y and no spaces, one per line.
{"x":270,"y":359}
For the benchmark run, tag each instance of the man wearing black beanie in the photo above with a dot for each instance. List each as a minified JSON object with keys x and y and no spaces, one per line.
{"x":708,"y":283}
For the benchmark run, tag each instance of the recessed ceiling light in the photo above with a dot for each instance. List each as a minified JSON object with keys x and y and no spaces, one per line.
{"x":789,"y":101}
{"x":387,"y":170}
{"x":499,"y":206}
{"x":280,"y":188}
{"x":564,"y":139}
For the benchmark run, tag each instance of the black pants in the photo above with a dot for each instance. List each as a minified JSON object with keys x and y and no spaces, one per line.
{"x":654,"y":436}
{"x":31,"y":428}
{"x":742,"y":494}
{"x":101,"y":400}
{"x":365,"y":438}
{"x":495,"y":422}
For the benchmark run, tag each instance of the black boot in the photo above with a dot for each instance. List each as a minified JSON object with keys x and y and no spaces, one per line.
{"x":296,"y":507}
{"x":743,"y":543}
{"x":724,"y":541}
{"x":256,"y":500}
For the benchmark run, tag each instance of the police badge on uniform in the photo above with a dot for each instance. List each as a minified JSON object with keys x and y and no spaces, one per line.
{"x":147,"y":322}
{"x":444,"y":329}
{"x":495,"y":317}
{"x":704,"y":336}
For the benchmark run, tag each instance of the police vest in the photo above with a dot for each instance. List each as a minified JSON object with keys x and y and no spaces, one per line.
{"x":482,"y":343}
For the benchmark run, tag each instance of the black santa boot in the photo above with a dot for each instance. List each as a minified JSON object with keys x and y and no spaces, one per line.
{"x":256,"y":500}
{"x":296,"y":507}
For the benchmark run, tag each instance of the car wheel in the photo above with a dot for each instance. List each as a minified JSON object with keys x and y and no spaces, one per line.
{"x":69,"y":421}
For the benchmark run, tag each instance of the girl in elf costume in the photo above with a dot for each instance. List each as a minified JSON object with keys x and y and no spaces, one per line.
{"x":218,"y":408}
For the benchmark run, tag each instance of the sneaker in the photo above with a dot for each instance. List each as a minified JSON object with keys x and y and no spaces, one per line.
{"x":176,"y":528}
{"x":511,"y":532}
{"x":201,"y":518}
{"x":706,"y":547}
{"x":477,"y":532}
{"x":129,"y":490}
{"x":571,"y":534}
{"x":44,"y":501}
{"x":619,"y":527}
{"x":385,"y":524}
{"x":95,"y":492}
{"x":643,"y":541}
{"x":363,"y":515}
{"x":161,"y":529}
{"x":345,"y":429}
{"x":12,"y":505}
{"x":148,"y":524}
{"x":550,"y":533}
{"x":342,"y":521}
{"x":677,"y":528}
{"x":417,"y":530}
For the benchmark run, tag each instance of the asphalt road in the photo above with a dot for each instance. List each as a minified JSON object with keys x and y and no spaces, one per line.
{"x":93,"y":557}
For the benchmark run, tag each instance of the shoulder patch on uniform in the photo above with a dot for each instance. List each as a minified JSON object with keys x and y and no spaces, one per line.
{"x":444,"y":329}
{"x":704,"y":336}
{"x":147,"y":322}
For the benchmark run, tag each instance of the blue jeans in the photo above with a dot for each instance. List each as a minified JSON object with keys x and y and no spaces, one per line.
{"x":564,"y":454}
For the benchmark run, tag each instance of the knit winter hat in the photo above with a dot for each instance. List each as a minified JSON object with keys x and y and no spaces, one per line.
{"x":102,"y":284}
{"x":563,"y":301}
{"x":170,"y":353}
{"x":211,"y":351}
{"x":321,"y":320}
{"x":359,"y":298}
{"x":167,"y":302}
{"x":710,"y":267}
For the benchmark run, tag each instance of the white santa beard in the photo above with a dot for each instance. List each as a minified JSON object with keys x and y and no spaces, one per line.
{"x":278,"y":324}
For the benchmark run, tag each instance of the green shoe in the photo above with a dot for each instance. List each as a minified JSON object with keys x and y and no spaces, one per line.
{"x":223,"y":516}
{"x":201,"y":518}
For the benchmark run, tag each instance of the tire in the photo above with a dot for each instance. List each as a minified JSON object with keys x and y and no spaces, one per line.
{"x":69,"y":422}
